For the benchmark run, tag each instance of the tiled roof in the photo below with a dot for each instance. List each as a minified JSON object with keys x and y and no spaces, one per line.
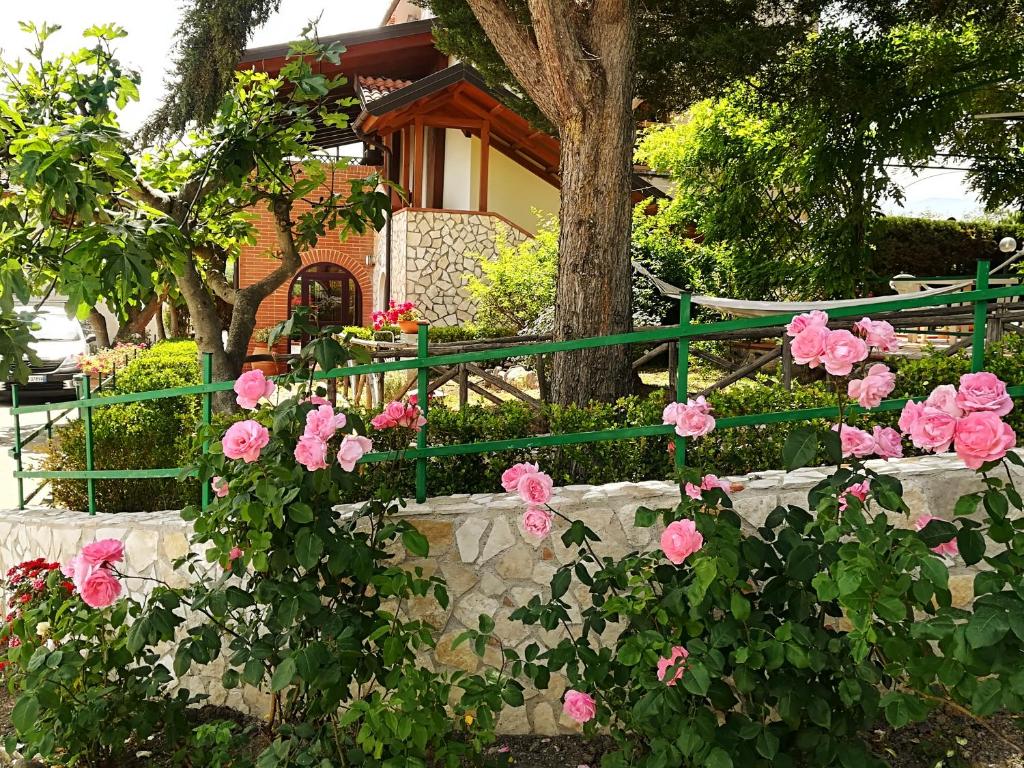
{"x":373,"y":88}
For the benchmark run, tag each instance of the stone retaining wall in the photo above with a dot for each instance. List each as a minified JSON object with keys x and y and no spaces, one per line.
{"x":490,"y":564}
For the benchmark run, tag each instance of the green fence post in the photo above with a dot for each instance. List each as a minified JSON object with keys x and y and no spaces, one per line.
{"x":980,"y":317}
{"x":422,"y":376}
{"x":17,"y":444}
{"x":207,"y":415}
{"x":682,"y":371}
{"x":86,"y":415}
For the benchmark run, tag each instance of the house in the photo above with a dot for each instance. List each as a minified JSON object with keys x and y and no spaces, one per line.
{"x":468,"y":164}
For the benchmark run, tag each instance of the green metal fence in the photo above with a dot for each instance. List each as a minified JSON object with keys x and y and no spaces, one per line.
{"x":682,"y":334}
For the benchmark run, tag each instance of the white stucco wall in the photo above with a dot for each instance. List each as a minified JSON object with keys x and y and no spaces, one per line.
{"x":513,"y":191}
{"x":458,"y":162}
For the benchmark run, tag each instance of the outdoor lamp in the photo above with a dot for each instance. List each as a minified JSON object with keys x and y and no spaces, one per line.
{"x":1007,"y":245}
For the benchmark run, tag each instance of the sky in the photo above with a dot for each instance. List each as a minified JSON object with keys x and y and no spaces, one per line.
{"x":151,"y":24}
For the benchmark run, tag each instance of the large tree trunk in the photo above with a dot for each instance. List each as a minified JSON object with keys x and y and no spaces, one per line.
{"x":138,"y":319}
{"x":593,"y":296}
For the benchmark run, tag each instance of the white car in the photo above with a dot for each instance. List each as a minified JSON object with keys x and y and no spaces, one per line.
{"x":57,"y":343}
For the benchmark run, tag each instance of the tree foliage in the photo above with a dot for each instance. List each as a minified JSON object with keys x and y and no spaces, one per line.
{"x":791,"y":168}
{"x":95,"y":219}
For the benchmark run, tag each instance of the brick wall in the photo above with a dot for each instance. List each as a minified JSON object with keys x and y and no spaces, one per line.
{"x":354,"y":253}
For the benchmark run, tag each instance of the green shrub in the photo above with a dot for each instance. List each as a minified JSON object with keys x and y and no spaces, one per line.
{"x":145,"y":435}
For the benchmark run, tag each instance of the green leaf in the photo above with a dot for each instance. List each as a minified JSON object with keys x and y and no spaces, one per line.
{"x":987,"y":697}
{"x":800,"y":448}
{"x":825,"y":586}
{"x":718,"y":758}
{"x":966,"y":505}
{"x":987,"y":627}
{"x":25,"y":712}
{"x":486,"y":623}
{"x":416,"y":542}
{"x":308,"y":547}
{"x":644,"y":517}
{"x":560,"y":583}
{"x":971,"y":545}
{"x":740,"y":607}
{"x":283,"y":675}
{"x":937,"y":532}
{"x":512,"y":695}
{"x":802,"y":562}
{"x":300,"y":513}
{"x":996,"y":503}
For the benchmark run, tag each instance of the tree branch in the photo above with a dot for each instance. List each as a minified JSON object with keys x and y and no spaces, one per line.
{"x":562,"y":56}
{"x":513,"y":43}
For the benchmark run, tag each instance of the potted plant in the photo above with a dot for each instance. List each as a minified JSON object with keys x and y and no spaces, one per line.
{"x":261,"y":346}
{"x":404,"y":315}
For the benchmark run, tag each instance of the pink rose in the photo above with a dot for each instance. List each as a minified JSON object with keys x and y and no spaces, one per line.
{"x":842,"y":350}
{"x":873,"y":388}
{"x":692,"y":418}
{"x":535,"y":487}
{"x":817,"y":318}
{"x":235,"y":553}
{"x":944,"y":397}
{"x":537,"y":521}
{"x":680,"y":540}
{"x":311,"y":452}
{"x":412,"y":417}
{"x":219,"y":486}
{"x":381,"y":421}
{"x":855,"y":442}
{"x":982,"y":436}
{"x":250,"y":387}
{"x":706,"y":484}
{"x":857,"y":491}
{"x":580,"y":706}
{"x":677,"y":661}
{"x":511,"y":476}
{"x":888,"y":443}
{"x":929,"y":428}
{"x":77,"y":567}
{"x":878,"y":333}
{"x":353,"y":448}
{"x":103,"y":552}
{"x":946,"y":549}
{"x":809,"y":345}
{"x":99,"y":589}
{"x":244,"y":440}
{"x":983,"y":392}
{"x":323,"y":422}
{"x":317,"y":400}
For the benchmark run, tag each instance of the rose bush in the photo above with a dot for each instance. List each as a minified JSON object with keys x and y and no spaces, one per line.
{"x":782,"y":646}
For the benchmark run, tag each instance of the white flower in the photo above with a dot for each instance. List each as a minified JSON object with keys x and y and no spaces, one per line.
{"x":43,"y":629}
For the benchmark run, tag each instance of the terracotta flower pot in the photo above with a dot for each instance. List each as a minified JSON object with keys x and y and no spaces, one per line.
{"x":269,"y":367}
{"x":409,"y":326}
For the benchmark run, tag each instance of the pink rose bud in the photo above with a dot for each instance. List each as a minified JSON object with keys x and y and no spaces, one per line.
{"x":580,"y":706}
{"x":537,"y":522}
{"x":680,"y":540}
{"x":946,"y":549}
{"x":983,"y":392}
{"x":353,"y":448}
{"x":511,"y":476}
{"x":311,"y":452}
{"x":235,"y":553}
{"x":676,"y":661}
{"x":842,"y":351}
{"x":250,"y":387}
{"x":857,"y":491}
{"x":219,"y":486}
{"x":873,"y":388}
{"x":706,"y":484}
{"x":535,"y":487}
{"x":244,"y":440}
{"x":982,"y":437}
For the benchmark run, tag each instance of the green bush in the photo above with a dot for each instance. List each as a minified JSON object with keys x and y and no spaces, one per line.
{"x":145,"y":435}
{"x":933,"y":247}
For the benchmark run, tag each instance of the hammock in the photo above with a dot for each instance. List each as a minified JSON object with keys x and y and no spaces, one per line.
{"x":740,"y":308}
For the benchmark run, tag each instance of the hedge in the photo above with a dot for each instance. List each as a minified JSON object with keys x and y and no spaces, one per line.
{"x":934,"y":247}
{"x":144,"y":435}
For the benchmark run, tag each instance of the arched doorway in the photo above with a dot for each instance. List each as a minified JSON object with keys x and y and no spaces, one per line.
{"x":330,"y":291}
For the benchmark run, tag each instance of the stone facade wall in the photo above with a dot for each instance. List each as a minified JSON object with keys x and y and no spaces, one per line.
{"x":432,"y":252}
{"x":490,"y":564}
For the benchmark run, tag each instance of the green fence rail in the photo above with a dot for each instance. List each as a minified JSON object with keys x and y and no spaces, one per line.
{"x":682,"y":334}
